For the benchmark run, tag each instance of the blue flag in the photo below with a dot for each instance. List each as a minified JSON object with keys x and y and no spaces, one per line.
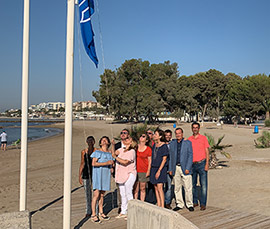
{"x":86,"y":8}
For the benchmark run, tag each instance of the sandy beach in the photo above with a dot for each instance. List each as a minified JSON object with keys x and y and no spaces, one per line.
{"x":243,"y":185}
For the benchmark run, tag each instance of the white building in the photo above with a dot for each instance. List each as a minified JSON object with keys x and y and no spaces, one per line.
{"x":48,"y":106}
{"x":85,"y":104}
{"x":56,"y":105}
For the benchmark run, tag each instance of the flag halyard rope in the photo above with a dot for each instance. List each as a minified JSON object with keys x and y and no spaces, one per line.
{"x":81,"y":78}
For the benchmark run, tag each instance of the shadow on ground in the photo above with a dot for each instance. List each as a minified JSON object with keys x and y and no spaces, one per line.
{"x":110,"y":202}
{"x":52,"y":202}
{"x":223,"y":163}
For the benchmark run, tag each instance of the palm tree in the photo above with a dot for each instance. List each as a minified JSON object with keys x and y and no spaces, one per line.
{"x":213,"y":160}
{"x":264,"y":140}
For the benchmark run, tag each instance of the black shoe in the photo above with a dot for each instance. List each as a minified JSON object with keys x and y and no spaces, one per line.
{"x":191,"y":209}
{"x":95,"y":219}
{"x":168,"y":206}
{"x":119,"y":210}
{"x":177,"y":209}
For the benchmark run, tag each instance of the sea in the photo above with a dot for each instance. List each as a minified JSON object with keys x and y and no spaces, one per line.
{"x":13,"y":130}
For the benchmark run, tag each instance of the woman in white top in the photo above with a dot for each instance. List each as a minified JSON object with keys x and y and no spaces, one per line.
{"x":125,"y":173}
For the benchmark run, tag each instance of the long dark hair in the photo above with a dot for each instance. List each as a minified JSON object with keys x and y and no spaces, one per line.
{"x":90,"y":140}
{"x":162,"y":134}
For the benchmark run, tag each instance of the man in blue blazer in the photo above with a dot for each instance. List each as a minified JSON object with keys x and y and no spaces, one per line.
{"x":180,"y":167}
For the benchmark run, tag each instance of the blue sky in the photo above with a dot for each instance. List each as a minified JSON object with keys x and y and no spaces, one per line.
{"x":227,"y":35}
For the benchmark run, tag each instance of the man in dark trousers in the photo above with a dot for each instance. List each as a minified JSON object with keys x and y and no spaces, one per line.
{"x":168,"y":189}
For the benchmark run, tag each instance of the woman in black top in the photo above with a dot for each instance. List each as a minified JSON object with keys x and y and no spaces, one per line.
{"x":85,"y":172}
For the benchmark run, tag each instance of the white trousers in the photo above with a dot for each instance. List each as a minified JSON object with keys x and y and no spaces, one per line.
{"x":186,"y":181}
{"x":126,"y":192}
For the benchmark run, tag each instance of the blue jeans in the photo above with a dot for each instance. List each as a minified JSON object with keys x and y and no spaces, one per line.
{"x":198,"y":169}
{"x":168,"y":190}
{"x":88,"y":195}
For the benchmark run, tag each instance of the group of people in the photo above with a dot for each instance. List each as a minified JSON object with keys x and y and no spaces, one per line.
{"x":153,"y":169}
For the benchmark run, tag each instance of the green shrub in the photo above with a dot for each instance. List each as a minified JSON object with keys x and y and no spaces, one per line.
{"x":213,"y":161}
{"x":137,"y":130}
{"x":264,"y":140}
{"x":267,"y":122}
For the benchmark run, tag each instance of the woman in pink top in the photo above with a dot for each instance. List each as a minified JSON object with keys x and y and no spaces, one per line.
{"x":125,"y":173}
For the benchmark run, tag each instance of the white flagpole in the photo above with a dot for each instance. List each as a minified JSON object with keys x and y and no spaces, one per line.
{"x":68,"y":114}
{"x":24,"y":120}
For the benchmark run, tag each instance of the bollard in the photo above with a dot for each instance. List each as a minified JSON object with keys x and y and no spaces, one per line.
{"x":256,"y":129}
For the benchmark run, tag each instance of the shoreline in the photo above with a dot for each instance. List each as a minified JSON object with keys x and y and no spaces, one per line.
{"x":229,"y":187}
{"x":60,"y":131}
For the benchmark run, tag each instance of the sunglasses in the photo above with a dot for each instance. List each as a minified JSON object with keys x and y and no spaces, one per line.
{"x":150,"y":133}
{"x":143,"y":136}
{"x":123,"y":132}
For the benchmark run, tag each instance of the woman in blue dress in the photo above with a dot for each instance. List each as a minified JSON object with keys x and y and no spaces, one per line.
{"x":159,"y":165}
{"x":102,"y":161}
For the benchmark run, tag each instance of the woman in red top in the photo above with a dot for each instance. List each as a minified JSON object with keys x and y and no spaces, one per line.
{"x":144,"y":153}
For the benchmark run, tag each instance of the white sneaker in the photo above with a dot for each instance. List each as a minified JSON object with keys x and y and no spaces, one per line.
{"x":121,"y":216}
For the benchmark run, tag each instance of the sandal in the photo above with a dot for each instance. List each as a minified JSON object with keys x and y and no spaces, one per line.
{"x":121,"y":216}
{"x":103,"y":216}
{"x":95,"y":219}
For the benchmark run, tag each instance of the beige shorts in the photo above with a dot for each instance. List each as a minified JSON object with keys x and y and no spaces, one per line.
{"x":141,"y":177}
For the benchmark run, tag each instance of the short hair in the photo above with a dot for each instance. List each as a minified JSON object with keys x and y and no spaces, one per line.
{"x":162,"y":134}
{"x":126,"y":130}
{"x":107,"y":140}
{"x":179,"y":128}
{"x":168,"y":131}
{"x":196,"y":123}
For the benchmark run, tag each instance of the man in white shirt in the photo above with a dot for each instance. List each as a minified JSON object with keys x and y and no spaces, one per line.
{"x":3,"y":140}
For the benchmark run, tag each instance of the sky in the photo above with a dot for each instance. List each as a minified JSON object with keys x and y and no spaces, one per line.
{"x":227,"y":35}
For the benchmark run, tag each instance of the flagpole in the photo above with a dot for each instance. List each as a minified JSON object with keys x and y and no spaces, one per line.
{"x":68,"y":114}
{"x":24,"y":119}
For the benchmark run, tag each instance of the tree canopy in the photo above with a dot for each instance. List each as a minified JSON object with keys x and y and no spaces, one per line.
{"x":139,"y":89}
